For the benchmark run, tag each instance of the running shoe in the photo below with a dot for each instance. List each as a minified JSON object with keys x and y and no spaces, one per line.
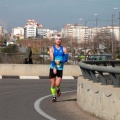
{"x":58,"y":93}
{"x":54,"y":99}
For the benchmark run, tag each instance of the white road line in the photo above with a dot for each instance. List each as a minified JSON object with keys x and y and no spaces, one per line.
{"x":29,"y":77}
{"x":67,"y":77}
{"x":40,"y":111}
{"x":0,"y":77}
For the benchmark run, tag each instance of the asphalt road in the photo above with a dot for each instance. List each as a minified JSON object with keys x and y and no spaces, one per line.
{"x":31,"y":100}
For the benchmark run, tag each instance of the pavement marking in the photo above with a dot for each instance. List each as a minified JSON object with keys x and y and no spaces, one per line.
{"x":34,"y":77}
{"x":40,"y":111}
{"x":67,"y":77}
{"x":0,"y":77}
{"x":29,"y":77}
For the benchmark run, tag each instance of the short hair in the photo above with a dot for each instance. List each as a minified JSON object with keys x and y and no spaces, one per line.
{"x":58,"y":37}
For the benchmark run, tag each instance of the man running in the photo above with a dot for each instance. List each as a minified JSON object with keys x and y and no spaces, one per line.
{"x":58,"y":56}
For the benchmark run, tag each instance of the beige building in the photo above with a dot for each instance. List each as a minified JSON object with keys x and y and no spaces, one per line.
{"x":115,"y":30}
{"x":77,"y":31}
{"x":17,"y":33}
{"x":3,"y":31}
{"x":84,"y":33}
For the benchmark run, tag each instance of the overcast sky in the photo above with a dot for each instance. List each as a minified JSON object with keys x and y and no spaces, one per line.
{"x":56,"y":13}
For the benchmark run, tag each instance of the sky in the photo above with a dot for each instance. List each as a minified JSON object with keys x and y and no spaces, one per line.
{"x":54,"y":14}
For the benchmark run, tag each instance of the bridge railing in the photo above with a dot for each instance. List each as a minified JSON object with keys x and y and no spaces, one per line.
{"x":106,"y":72}
{"x":18,"y":58}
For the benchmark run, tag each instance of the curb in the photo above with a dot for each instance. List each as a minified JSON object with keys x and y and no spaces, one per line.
{"x":34,"y":77}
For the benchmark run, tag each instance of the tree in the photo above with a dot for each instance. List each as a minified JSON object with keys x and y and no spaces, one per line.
{"x":12,"y":48}
{"x":105,"y":38}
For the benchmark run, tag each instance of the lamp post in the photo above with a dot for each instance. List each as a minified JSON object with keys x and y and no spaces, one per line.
{"x":114,"y":14}
{"x":119,"y":33}
{"x":79,"y":29}
{"x":96,"y":23}
{"x":112,"y":33}
{"x":85,"y":40}
{"x":113,"y":23}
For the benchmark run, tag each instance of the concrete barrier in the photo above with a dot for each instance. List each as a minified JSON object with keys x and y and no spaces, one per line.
{"x":100,"y":100}
{"x":35,"y":70}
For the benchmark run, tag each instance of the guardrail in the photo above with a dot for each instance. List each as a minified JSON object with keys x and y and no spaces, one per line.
{"x":105,"y":72}
{"x":17,"y":58}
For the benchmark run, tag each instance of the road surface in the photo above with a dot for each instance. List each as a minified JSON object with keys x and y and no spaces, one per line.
{"x":31,"y":100}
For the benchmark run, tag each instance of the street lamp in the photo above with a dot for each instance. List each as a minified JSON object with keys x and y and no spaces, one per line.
{"x":80,"y":20}
{"x":96,"y":32}
{"x":114,"y":14}
{"x":112,"y":33}
{"x":85,"y":37}
{"x":79,"y":28}
{"x":113,"y":23}
{"x":119,"y":33}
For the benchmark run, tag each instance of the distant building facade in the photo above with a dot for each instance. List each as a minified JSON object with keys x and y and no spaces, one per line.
{"x":34,"y":30}
{"x":3,"y":31}
{"x":30,"y":29}
{"x":76,"y":31}
{"x":84,"y":33}
{"x":17,"y":33}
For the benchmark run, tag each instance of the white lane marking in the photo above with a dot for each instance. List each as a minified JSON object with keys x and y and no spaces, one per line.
{"x":40,"y":111}
{"x":67,"y":77}
{"x":38,"y":77}
{"x":0,"y":77}
{"x":29,"y":77}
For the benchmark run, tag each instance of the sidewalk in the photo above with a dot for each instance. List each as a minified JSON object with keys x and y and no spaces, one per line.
{"x":66,"y":108}
{"x":68,"y":105}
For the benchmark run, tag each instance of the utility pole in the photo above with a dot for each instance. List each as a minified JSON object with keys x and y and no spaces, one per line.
{"x":85,"y":40}
{"x":119,"y":33}
{"x":97,"y":43}
{"x":79,"y":37}
{"x":115,"y":15}
{"x":112,"y":34}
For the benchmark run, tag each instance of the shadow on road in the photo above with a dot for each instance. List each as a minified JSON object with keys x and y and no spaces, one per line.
{"x":66,"y":100}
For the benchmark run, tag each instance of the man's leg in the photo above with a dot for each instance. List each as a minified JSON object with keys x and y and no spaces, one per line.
{"x":58,"y":82}
{"x":53,"y":87}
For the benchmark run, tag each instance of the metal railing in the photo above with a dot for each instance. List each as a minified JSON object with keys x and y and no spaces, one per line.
{"x":12,"y":58}
{"x":15,"y":58}
{"x":106,"y":72}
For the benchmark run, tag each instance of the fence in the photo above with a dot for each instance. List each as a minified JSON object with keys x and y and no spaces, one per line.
{"x":12,"y":58}
{"x":106,"y":72}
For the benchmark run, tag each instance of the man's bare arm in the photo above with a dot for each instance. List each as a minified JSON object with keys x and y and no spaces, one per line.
{"x":51,"y":53}
{"x":52,"y":58}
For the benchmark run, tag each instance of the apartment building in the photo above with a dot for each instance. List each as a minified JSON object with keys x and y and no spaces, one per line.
{"x":84,"y":33}
{"x":115,"y":30}
{"x":76,"y":31}
{"x":1,"y":30}
{"x":69,"y":30}
{"x":41,"y":31}
{"x":17,"y":33}
{"x":35,"y":30}
{"x":30,"y":29}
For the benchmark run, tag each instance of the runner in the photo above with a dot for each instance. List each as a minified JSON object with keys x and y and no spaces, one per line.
{"x":58,"y":56}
